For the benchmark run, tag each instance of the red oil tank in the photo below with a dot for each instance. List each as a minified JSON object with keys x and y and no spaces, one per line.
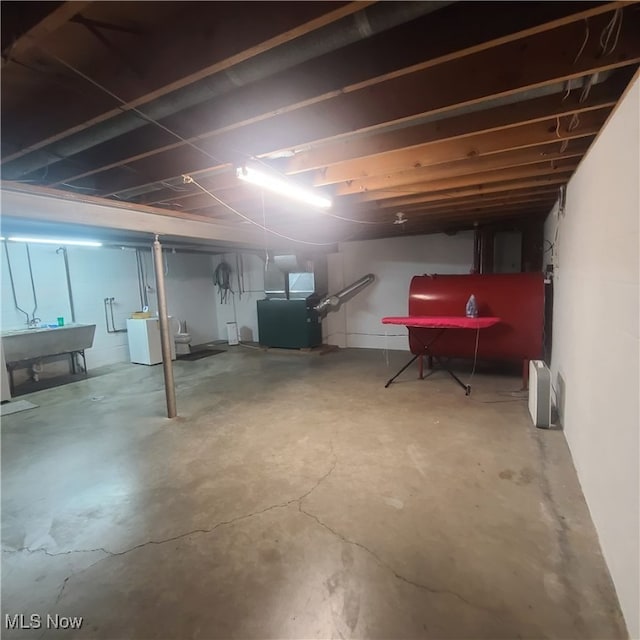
{"x":516,"y":298}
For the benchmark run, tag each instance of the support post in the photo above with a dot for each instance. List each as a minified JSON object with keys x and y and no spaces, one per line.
{"x":165,"y":331}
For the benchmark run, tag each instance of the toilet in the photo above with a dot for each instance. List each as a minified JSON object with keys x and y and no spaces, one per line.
{"x":182,"y":339}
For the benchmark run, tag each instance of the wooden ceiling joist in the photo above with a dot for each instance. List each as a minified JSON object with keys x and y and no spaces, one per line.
{"x":498,"y":187}
{"x":471,"y":147}
{"x":510,"y":25}
{"x":449,"y":113}
{"x":188,"y":59}
{"x":525,"y":63}
{"x":550,"y":152}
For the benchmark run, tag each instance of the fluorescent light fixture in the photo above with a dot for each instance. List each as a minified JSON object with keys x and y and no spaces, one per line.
{"x":282,"y":186}
{"x":79,"y":243}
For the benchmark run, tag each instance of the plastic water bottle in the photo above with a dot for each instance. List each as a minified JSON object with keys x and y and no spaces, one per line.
{"x":472,"y":307}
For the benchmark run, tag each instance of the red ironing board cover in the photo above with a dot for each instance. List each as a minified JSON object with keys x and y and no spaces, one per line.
{"x":444,"y":322}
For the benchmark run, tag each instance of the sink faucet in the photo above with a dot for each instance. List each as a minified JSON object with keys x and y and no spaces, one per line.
{"x":34,"y":322}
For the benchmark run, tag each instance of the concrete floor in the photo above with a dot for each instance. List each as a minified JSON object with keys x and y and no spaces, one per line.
{"x":295,"y":497}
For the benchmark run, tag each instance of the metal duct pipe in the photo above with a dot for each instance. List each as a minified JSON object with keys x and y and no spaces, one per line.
{"x":331,"y":303}
{"x":13,"y":286}
{"x":370,"y":21}
{"x":467,"y":109}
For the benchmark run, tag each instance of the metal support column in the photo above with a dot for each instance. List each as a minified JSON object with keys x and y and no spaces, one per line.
{"x":165,"y":330}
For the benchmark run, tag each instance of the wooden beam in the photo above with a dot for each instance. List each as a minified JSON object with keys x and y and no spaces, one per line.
{"x":483,"y":178}
{"x":445,"y":224}
{"x":279,"y":216}
{"x":38,"y":203}
{"x":424,"y":155}
{"x":479,"y":199}
{"x":320,"y":80}
{"x":187,"y":61}
{"x":501,"y":117}
{"x":604,"y":95}
{"x":503,"y":201}
{"x":520,"y":157}
{"x":498,"y":187}
{"x":525,"y":63}
{"x":49,"y":24}
{"x":275,"y":91}
{"x":468,"y":148}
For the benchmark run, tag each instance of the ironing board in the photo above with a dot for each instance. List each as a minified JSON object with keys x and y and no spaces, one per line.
{"x":442,"y":323}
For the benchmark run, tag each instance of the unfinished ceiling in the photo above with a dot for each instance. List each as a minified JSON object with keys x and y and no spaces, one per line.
{"x":439,"y":114}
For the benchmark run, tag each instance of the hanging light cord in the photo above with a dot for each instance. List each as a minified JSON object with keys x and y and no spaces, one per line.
{"x":189,"y":180}
{"x":123,"y":107}
{"x":475,"y":358}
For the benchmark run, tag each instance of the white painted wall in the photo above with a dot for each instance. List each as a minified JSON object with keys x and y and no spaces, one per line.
{"x":393,"y":261}
{"x":97,"y":273}
{"x":357,"y":324}
{"x":241,"y":307}
{"x":595,"y":360}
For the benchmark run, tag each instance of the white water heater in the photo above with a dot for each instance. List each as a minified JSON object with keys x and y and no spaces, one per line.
{"x":540,"y":394}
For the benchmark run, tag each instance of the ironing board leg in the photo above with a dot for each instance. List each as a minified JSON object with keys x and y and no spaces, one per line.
{"x":401,"y":370}
{"x":466,"y":387}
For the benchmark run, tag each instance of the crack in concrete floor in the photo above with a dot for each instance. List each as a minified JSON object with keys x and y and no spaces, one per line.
{"x":113,"y":554}
{"x":387,"y":566}
{"x":282,"y":505}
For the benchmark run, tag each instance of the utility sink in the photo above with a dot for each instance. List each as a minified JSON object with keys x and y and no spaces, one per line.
{"x":33,"y":343}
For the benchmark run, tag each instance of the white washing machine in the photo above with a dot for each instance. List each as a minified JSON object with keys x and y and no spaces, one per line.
{"x":144,"y":340}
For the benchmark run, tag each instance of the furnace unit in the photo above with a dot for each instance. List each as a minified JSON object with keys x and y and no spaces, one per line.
{"x":290,"y":317}
{"x":286,"y":317}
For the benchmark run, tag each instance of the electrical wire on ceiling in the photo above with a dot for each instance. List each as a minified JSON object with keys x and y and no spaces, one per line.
{"x":614,"y":25}
{"x":124,"y":106}
{"x":173,"y":187}
{"x":574,"y":122}
{"x":584,"y":42}
{"x":190,"y":180}
{"x":565,"y":141}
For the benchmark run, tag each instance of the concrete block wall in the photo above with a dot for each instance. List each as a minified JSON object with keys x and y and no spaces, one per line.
{"x":394,"y":261}
{"x":357,"y":324}
{"x":240,"y":307}
{"x":98,"y":273}
{"x":596,"y":341}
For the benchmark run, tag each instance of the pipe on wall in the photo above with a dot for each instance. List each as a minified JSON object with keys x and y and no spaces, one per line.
{"x":13,"y":286}
{"x":72,"y":309}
